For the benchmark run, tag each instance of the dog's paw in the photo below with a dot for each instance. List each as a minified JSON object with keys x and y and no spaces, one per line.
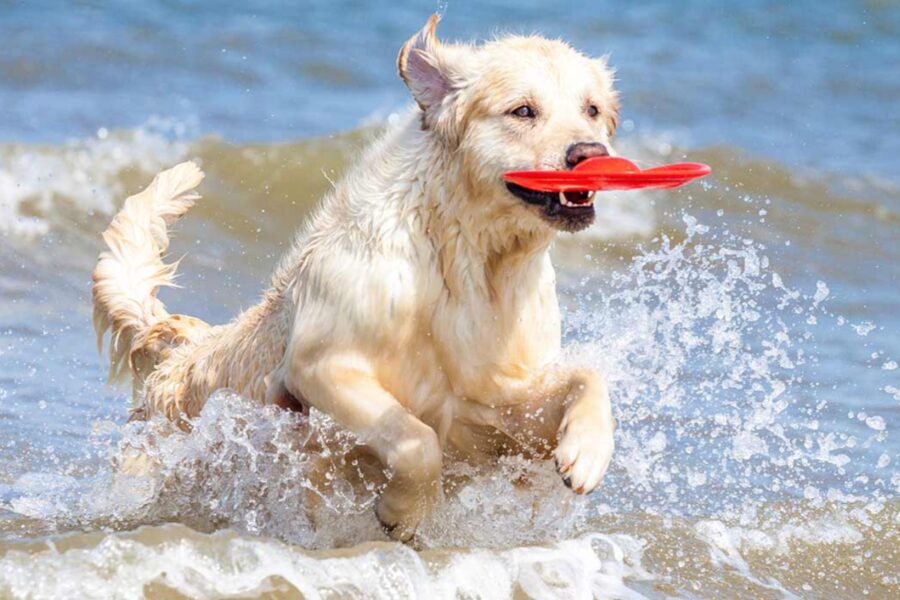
{"x":583,"y":455}
{"x":397,"y":526}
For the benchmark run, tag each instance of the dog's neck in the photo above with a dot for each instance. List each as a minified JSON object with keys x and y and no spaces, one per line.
{"x":480,"y":241}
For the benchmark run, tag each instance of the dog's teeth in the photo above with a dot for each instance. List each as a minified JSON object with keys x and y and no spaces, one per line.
{"x":587,"y":201}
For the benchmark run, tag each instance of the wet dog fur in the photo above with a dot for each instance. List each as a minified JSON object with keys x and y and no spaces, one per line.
{"x":418,"y":305}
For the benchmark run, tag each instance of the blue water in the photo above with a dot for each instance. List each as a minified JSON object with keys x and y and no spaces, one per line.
{"x":810,"y":83}
{"x":749,"y":324}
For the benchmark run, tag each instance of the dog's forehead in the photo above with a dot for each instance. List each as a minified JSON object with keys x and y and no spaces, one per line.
{"x":523,"y":65}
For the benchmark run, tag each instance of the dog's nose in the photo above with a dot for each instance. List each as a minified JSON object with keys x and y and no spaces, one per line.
{"x":583,"y":150}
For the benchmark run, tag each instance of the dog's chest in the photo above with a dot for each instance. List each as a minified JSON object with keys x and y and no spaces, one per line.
{"x":487,"y":339}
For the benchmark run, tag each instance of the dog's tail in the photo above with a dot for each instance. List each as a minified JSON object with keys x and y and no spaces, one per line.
{"x":130,"y":272}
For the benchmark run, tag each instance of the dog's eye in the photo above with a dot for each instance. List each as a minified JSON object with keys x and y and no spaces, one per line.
{"x":524,"y":112}
{"x":593,"y":111}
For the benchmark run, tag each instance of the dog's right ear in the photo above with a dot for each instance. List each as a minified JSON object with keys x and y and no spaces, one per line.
{"x":424,"y":67}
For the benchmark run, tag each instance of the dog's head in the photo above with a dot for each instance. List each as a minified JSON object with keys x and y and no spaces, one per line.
{"x":517,"y":103}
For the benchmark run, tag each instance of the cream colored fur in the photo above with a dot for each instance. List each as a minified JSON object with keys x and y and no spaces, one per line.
{"x":418,"y":307}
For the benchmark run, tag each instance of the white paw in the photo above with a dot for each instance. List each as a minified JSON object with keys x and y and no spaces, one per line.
{"x":583,"y":455}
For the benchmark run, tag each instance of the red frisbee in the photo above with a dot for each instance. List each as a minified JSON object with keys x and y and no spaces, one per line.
{"x":608,"y":173}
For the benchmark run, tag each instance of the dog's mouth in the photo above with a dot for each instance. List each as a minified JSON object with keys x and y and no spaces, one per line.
{"x":569,"y":211}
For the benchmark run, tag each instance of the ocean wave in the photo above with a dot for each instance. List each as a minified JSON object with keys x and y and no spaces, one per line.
{"x":89,"y":175}
{"x":271,"y":187}
{"x":173,"y":560}
{"x":652,"y":559}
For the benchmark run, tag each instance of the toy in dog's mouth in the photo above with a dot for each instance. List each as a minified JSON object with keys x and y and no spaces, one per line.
{"x":567,"y":197}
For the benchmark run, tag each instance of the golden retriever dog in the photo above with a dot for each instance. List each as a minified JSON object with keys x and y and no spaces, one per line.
{"x":418,"y":306}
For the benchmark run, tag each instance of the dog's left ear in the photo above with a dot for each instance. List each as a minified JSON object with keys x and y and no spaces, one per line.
{"x":425,"y":68}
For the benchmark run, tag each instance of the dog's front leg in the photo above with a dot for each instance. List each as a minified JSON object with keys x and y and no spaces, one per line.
{"x":346,"y":388}
{"x":572,"y":408}
{"x":585,"y":433}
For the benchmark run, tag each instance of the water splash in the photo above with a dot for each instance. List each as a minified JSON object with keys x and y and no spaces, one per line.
{"x":724,"y":441}
{"x":708,"y":355}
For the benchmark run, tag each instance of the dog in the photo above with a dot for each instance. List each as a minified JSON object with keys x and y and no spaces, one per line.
{"x":418,"y":305}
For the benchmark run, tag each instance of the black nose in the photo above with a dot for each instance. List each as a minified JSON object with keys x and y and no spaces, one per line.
{"x":584,"y":150}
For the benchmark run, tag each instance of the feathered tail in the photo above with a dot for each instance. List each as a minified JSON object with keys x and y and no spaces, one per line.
{"x":129,"y":274}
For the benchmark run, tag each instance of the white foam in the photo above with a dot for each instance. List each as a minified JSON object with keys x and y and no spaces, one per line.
{"x":736,"y":541}
{"x":222,"y":565}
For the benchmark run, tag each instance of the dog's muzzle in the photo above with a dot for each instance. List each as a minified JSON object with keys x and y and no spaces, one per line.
{"x":569,"y":211}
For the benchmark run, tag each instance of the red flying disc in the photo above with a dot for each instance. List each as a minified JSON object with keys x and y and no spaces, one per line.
{"x":608,"y":173}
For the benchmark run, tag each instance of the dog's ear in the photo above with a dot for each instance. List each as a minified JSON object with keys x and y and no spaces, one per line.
{"x":424,"y":67}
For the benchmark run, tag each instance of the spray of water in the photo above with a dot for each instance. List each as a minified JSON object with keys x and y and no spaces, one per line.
{"x":722,"y":437}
